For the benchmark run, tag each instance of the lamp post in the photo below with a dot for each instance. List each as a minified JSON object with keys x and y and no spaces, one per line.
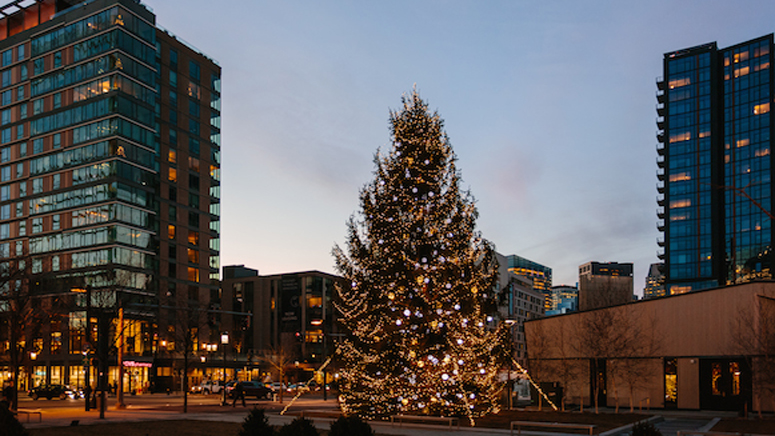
{"x":224,"y":343}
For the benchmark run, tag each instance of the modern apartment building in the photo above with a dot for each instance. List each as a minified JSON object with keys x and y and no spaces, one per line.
{"x":715,"y":165}
{"x":109,"y":189}
{"x":540,"y":275}
{"x":291,"y":313}
{"x":565,"y":299}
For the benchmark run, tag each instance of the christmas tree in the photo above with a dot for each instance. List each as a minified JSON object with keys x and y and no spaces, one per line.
{"x":421,"y":283}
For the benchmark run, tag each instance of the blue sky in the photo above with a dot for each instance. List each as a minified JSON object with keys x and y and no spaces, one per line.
{"x":549,"y":105}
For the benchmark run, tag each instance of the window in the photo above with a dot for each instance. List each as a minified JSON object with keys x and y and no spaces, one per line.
{"x":5,"y":174}
{"x":5,"y":192}
{"x":22,"y":193}
{"x":173,"y":59}
{"x":20,"y":93}
{"x":20,"y":131}
{"x":193,"y":182}
{"x":55,"y":181}
{"x":194,"y":71}
{"x":20,"y":53}
{"x":173,"y":117}
{"x":23,"y":72}
{"x":172,"y":251}
{"x":37,"y":106}
{"x":23,"y":149}
{"x":37,"y":67}
{"x":173,"y":98}
{"x":6,"y":78}
{"x":55,"y":222}
{"x":172,"y":156}
{"x":19,"y":170}
{"x":171,"y":231}
{"x":193,"y":146}
{"x":5,"y":135}
{"x":22,"y":228}
{"x":7,"y":96}
{"x":37,"y":225}
{"x":173,"y":137}
{"x":57,"y":59}
{"x":7,"y":57}
{"x":23,"y":111}
{"x":6,"y":116}
{"x":173,"y":79}
{"x":193,"y":274}
{"x":193,"y":219}
{"x":5,"y":155}
{"x":5,"y":231}
{"x":193,"y":237}
{"x":193,"y":90}
{"x":193,"y":108}
{"x":57,"y":141}
{"x":37,"y":146}
{"x":173,"y":175}
{"x":173,"y":213}
{"x":57,"y":100}
{"x":37,"y":265}
{"x":193,"y":200}
{"x":55,"y":263}
{"x":215,"y":82}
{"x":5,"y":212}
{"x":37,"y":185}
{"x":193,"y":255}
{"x":193,"y":164}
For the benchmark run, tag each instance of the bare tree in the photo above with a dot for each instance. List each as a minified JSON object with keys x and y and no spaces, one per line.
{"x":189,"y":320}
{"x":756,"y":341}
{"x":279,"y":360}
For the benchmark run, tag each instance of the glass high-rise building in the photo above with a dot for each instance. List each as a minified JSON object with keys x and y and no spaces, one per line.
{"x":109,"y":180}
{"x":715,"y":165}
{"x":540,"y":275}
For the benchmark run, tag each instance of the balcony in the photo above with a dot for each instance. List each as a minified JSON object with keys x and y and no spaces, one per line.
{"x":661,"y":201}
{"x":660,"y":188}
{"x":660,"y":255}
{"x":661,"y":242}
{"x":661,"y":85}
{"x":661,"y":174}
{"x":660,"y":149}
{"x":661,"y":227}
{"x":661,"y":214}
{"x":661,"y":136}
{"x":661,"y":123}
{"x":661,"y":97}
{"x":661,"y":161}
{"x":661,"y":110}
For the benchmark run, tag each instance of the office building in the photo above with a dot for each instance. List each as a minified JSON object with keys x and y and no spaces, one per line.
{"x":292,"y":313}
{"x":109,"y":187}
{"x":565,"y":299}
{"x":715,"y":165}
{"x":655,"y":282}
{"x":604,"y":284}
{"x":540,"y":275}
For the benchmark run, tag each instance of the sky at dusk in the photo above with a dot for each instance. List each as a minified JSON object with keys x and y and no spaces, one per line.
{"x":549,"y":105}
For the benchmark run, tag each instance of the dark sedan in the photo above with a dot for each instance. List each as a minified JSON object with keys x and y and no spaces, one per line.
{"x":251,"y":389}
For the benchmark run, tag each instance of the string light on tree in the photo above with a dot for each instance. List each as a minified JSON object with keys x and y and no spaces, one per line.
{"x":415,"y":313}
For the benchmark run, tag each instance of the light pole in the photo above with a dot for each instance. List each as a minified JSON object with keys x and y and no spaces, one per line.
{"x":224,"y":343}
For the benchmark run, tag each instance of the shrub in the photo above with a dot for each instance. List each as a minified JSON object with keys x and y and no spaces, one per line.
{"x":645,"y":428}
{"x":256,"y":424}
{"x":350,"y":426}
{"x":10,"y":425}
{"x":300,"y":426}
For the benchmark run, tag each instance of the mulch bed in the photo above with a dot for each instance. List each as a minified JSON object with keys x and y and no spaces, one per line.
{"x":743,"y":425}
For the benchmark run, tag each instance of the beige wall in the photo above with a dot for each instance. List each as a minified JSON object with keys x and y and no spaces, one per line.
{"x":684,"y":327}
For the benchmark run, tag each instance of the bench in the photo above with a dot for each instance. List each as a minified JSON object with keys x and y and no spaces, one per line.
{"x":422,"y":418}
{"x":520,"y":424}
{"x":28,"y":413}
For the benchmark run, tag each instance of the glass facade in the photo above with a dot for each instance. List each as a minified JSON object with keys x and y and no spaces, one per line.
{"x":714,"y":112}
{"x":539,"y":274}
{"x":88,"y":126}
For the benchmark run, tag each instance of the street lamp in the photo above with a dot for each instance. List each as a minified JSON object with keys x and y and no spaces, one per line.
{"x":224,"y":343}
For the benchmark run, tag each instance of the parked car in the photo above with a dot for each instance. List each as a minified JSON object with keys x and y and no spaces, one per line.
{"x":251,"y":389}
{"x":277,"y":386}
{"x":51,"y":391}
{"x":207,"y":387}
{"x":297,"y":388}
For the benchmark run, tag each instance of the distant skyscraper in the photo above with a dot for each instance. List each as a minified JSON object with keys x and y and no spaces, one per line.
{"x":655,"y":282}
{"x":604,"y":284}
{"x":715,"y":164}
{"x":539,"y":274}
